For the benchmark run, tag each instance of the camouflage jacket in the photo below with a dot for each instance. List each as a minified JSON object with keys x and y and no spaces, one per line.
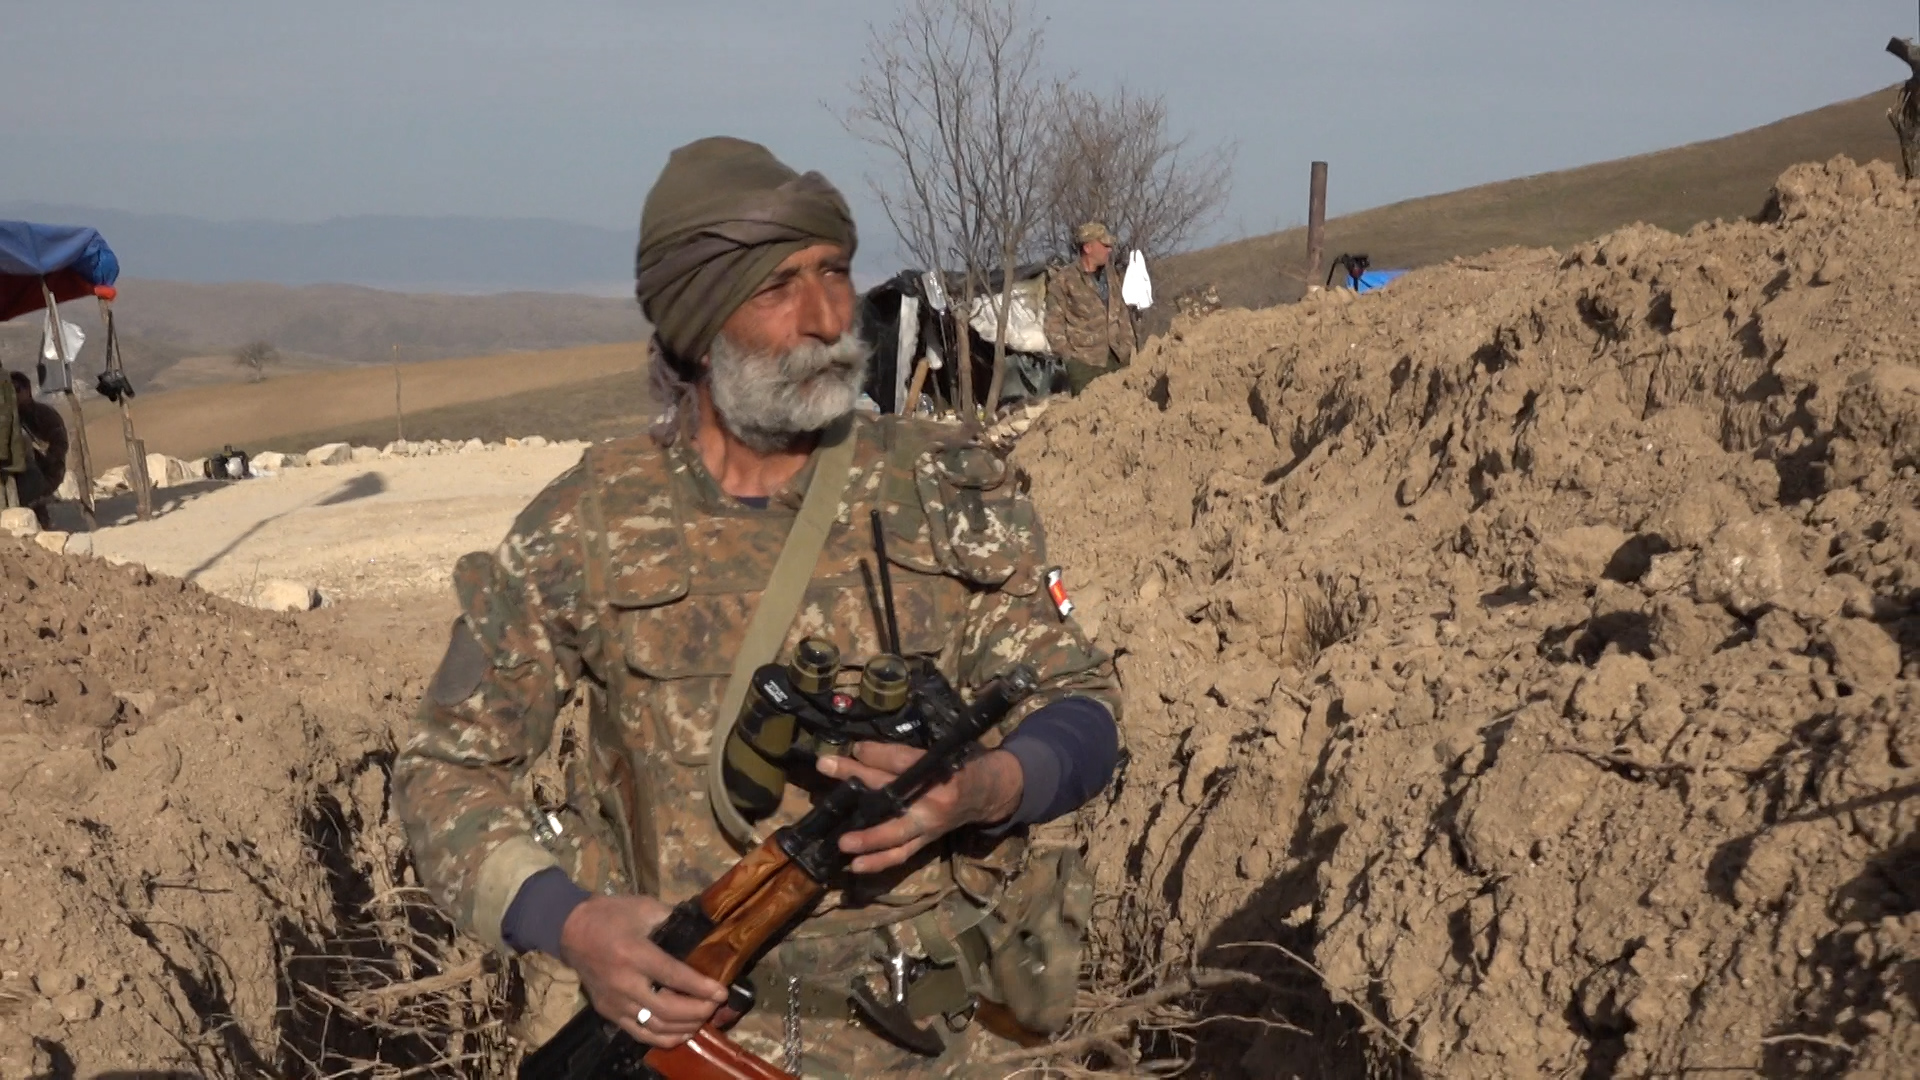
{"x":631,"y":579}
{"x":1081,"y":326}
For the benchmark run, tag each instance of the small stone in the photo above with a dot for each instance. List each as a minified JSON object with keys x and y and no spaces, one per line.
{"x":1573,"y":561}
{"x":77,"y":1006}
{"x":165,"y":472}
{"x":330,"y":454}
{"x":365,"y":453}
{"x":270,"y":460}
{"x":534,"y":442}
{"x":1751,"y":564}
{"x":19,"y":521}
{"x":472,"y":445}
{"x":79,"y":544}
{"x":285,"y":596}
{"x":112,"y":481}
{"x":1864,"y":655}
{"x":53,"y":540}
{"x":55,"y":982}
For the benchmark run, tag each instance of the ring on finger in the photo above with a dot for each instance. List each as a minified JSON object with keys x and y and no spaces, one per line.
{"x":643,"y":1016}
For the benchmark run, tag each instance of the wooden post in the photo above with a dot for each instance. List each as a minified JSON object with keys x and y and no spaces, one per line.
{"x":1316,"y":224}
{"x":914,"y":388}
{"x":73,"y":405}
{"x":136,"y":450}
{"x":399,"y":417}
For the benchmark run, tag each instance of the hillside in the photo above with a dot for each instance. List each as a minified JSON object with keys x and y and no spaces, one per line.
{"x":408,"y":253}
{"x":165,"y":322}
{"x":1674,"y":189}
{"x":299,"y":411}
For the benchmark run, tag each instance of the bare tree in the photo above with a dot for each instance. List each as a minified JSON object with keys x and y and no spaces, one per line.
{"x":255,"y":356}
{"x":1115,"y":161}
{"x":953,"y":91}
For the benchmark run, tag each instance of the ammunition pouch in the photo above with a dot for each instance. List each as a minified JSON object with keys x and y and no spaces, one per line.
{"x":1036,"y":940}
{"x":1020,"y":957}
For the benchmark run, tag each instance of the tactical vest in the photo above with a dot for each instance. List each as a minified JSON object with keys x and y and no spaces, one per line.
{"x":674,"y":572}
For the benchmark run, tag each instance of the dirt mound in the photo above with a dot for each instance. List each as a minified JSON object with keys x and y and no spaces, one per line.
{"x":1532,"y":646}
{"x":201,"y":875}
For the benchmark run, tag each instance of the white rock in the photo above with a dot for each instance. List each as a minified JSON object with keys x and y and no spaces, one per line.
{"x":534,"y":442}
{"x":19,"y":521}
{"x":365,"y":453}
{"x":473,"y":444}
{"x":69,"y":490}
{"x":80,"y":544}
{"x":396,"y":448}
{"x":281,"y":595}
{"x":270,"y":460}
{"x":333,"y":453}
{"x":510,"y":443}
{"x":52,"y":539}
{"x":164,"y":471}
{"x":111,"y":481}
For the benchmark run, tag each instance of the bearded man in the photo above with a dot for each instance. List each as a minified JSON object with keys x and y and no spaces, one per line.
{"x":631,"y":583}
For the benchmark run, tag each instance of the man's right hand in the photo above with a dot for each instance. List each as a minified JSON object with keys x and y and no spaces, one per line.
{"x":605,"y":942}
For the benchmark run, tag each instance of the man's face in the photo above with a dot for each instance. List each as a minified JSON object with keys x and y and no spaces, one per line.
{"x":1098,"y":254}
{"x":787,"y":363}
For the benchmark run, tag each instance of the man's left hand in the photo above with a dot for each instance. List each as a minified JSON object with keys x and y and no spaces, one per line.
{"x":985,"y":791}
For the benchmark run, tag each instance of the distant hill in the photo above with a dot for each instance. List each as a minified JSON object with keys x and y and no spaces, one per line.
{"x":413,"y":254}
{"x":163,"y":323}
{"x":1674,"y":189}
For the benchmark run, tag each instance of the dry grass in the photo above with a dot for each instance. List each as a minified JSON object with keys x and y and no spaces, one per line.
{"x":303,"y":409}
{"x":596,"y":409}
{"x":1674,"y":189}
{"x":397,"y":995}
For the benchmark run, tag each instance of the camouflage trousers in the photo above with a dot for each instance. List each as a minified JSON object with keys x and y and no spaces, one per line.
{"x":830,"y":1048}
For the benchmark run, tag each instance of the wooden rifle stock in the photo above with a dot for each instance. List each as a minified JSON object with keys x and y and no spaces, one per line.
{"x":721,"y":931}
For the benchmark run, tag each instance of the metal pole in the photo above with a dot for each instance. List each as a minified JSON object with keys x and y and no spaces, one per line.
{"x":73,"y":404}
{"x":136,"y":450}
{"x":1316,"y":224}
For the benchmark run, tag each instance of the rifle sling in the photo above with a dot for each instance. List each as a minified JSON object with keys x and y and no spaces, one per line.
{"x":832,"y":468}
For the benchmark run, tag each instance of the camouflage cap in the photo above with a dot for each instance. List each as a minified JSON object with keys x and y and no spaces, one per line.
{"x":1094,"y":232}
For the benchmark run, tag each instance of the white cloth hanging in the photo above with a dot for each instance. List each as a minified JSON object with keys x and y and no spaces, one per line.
{"x":74,"y":338}
{"x":1136,"y":289}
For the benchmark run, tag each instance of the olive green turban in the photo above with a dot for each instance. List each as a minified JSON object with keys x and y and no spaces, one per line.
{"x":724,"y":214}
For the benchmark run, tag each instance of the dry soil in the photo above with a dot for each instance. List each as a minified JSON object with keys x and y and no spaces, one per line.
{"x":1527,"y":650}
{"x":1531,"y":646}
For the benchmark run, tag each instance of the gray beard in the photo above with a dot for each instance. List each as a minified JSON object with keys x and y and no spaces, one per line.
{"x":771,"y":402}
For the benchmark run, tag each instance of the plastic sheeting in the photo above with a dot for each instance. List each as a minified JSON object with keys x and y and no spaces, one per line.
{"x":74,"y":260}
{"x":1026,"y":328}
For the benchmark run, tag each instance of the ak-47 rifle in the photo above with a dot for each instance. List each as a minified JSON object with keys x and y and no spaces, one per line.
{"x":723,"y":930}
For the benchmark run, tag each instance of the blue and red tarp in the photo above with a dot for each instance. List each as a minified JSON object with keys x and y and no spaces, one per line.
{"x":74,"y":260}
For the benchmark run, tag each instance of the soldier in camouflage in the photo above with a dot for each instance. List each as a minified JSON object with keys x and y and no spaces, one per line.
{"x":1087,"y":324}
{"x":629,"y":583}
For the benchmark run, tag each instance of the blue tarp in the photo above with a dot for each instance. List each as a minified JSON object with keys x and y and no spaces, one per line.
{"x":1374,"y":279}
{"x":74,"y":260}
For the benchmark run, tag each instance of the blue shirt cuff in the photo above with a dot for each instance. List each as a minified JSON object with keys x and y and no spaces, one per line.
{"x":539,"y":910}
{"x":1067,"y":751}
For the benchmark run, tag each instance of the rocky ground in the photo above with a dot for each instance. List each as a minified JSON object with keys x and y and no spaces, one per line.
{"x":1520,"y":670}
{"x":1531,"y":647}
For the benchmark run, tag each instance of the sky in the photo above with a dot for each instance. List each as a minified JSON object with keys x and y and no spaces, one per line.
{"x":235,"y":109}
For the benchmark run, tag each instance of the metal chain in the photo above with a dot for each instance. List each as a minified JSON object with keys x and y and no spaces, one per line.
{"x":793,"y":1025}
